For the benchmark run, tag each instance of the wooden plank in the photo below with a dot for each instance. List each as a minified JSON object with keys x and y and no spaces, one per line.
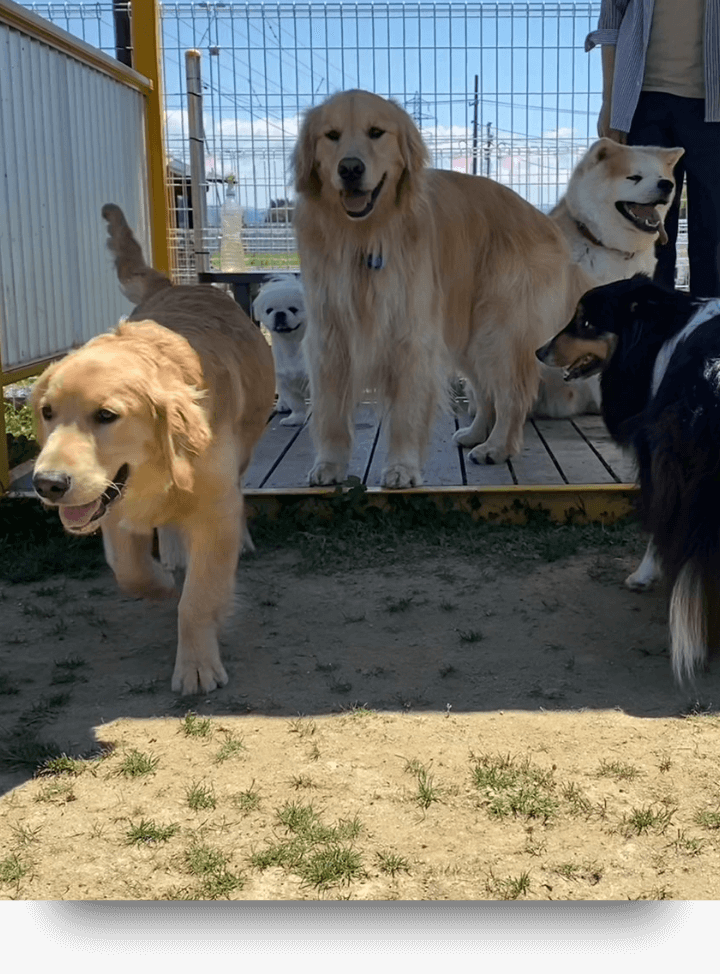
{"x":274,"y":441}
{"x":367,"y":424}
{"x":534,"y":465}
{"x":621,"y":462}
{"x":442,"y":463}
{"x":483,"y":474}
{"x":577,"y":461}
{"x":294,"y":466}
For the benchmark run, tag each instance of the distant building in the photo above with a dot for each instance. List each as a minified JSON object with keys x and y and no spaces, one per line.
{"x":281,"y":211}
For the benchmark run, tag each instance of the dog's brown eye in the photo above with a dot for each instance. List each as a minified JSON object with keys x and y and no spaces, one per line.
{"x":105,"y":416}
{"x":46,"y":412}
{"x":269,"y":311}
{"x":293,"y":311}
{"x":634,"y":179}
{"x":375,"y":133}
{"x":333,"y":135}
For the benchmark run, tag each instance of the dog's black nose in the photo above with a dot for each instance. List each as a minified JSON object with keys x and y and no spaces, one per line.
{"x":351,"y":169}
{"x":666,"y":185}
{"x":52,"y":485}
{"x":280,"y":321}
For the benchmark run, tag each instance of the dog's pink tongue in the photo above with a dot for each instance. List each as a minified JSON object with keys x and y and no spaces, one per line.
{"x":356,"y":203}
{"x":648,"y":215}
{"x":75,"y":516}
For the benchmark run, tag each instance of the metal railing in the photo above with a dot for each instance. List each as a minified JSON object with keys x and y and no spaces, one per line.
{"x":502,"y":89}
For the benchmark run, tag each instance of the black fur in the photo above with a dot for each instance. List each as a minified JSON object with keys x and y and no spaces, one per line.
{"x":674,"y":434}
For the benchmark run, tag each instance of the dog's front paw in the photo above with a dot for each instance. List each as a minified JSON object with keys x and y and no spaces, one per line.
{"x":487,"y":453}
{"x":640,"y":580}
{"x":639,"y":583}
{"x":400,"y":475}
{"x":465,"y":436}
{"x":193,"y":677}
{"x":294,"y":419}
{"x":325,"y":473}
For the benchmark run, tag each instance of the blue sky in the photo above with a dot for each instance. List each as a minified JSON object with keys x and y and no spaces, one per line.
{"x":263,"y":65}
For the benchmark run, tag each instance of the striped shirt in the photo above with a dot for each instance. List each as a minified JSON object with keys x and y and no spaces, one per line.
{"x":625,"y":24}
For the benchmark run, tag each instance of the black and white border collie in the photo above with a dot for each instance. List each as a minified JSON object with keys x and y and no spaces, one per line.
{"x":658,"y":352}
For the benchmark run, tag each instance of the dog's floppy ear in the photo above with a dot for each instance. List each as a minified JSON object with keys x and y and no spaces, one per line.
{"x":307,"y":178}
{"x":184,"y":430}
{"x":414,"y":153}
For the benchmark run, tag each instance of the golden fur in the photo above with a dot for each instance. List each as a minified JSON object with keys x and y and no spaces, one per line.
{"x":169,"y":407}
{"x":411,"y":271}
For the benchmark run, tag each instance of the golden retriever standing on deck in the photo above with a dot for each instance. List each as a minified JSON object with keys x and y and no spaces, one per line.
{"x":409,"y":271}
{"x":152,"y":426}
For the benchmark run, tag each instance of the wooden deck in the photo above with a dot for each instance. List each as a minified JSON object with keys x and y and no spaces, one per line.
{"x":566,"y":465}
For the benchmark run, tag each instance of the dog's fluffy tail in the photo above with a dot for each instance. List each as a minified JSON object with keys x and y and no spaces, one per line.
{"x":688,"y":622}
{"x":137,"y":280}
{"x":678,"y":479}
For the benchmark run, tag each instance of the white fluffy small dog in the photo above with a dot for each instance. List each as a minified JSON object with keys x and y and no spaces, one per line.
{"x":280,"y":307}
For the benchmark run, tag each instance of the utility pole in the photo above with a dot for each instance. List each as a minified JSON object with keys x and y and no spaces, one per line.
{"x":475,"y":129}
{"x":488,"y":146}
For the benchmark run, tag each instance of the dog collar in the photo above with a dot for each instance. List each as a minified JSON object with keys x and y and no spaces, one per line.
{"x":598,"y":243}
{"x":375,"y":261}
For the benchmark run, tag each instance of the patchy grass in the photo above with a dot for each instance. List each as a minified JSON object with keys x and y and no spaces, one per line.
{"x":427,"y":791}
{"x":320,"y":855}
{"x":645,"y":819}
{"x":617,"y":770}
{"x":147,"y":832}
{"x":200,"y":797}
{"x":231,"y":747}
{"x":12,"y":869}
{"x":135,"y":764}
{"x":210,"y":867}
{"x":193,"y":726}
{"x":349,"y":532}
{"x":514,"y":787}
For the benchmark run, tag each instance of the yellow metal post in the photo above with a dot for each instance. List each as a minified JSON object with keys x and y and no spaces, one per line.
{"x":4,"y":459}
{"x":146,"y":43}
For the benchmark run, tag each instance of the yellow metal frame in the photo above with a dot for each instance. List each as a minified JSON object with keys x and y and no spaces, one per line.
{"x":146,"y":43}
{"x":580,"y":504}
{"x":145,"y":77}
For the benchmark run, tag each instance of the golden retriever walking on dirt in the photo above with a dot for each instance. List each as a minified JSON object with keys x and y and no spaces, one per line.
{"x":410,"y":271}
{"x":152,"y":426}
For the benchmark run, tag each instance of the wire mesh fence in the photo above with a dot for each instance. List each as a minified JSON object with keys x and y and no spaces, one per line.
{"x":505,"y":90}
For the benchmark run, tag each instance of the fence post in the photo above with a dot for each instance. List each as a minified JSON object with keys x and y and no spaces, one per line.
{"x":197,"y":157}
{"x":145,"y":28}
{"x":4,"y":457}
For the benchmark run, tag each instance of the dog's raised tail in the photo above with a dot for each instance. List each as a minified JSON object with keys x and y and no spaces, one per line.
{"x":688,"y":621}
{"x":137,"y":280}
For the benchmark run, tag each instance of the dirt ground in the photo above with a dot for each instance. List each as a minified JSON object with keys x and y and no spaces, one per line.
{"x":433,"y":726}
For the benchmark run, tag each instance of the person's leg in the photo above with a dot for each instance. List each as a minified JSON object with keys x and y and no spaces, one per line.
{"x":702,"y":163}
{"x":654,"y":124}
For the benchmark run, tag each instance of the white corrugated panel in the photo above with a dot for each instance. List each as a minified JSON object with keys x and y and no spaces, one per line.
{"x":71,"y":139}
